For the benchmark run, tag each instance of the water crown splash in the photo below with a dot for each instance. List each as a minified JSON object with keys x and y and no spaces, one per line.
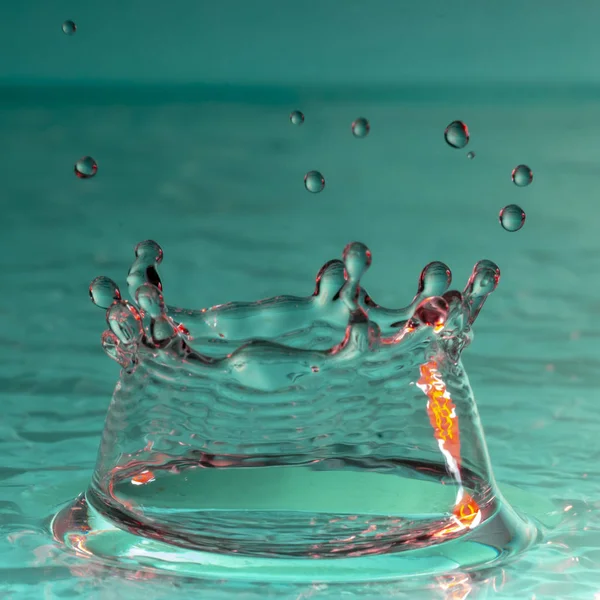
{"x":297,"y":428}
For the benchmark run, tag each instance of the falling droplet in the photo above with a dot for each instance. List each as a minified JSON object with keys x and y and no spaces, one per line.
{"x":457,"y":134}
{"x":69,"y":27}
{"x":512,"y":217}
{"x":296,"y":117}
{"x":314,"y":182}
{"x":86,"y":167}
{"x":522,"y":176}
{"x":361,"y":127}
{"x":470,"y":155}
{"x":104,"y":292}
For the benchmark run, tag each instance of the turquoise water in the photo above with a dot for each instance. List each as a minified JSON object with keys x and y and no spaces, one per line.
{"x":216,"y":176}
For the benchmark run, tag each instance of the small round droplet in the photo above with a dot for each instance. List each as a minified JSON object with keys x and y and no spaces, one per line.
{"x":361,"y":127}
{"x":314,"y":182}
{"x":512,"y":217}
{"x":86,"y":167}
{"x":357,"y":259}
{"x":296,"y":117}
{"x":104,"y":292}
{"x":457,"y":134}
{"x":69,"y":27}
{"x":470,"y":155}
{"x":522,"y":175}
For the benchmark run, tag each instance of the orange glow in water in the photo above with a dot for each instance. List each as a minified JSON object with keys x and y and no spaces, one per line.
{"x":142,"y":478}
{"x":444,"y":420}
{"x":441,"y":409}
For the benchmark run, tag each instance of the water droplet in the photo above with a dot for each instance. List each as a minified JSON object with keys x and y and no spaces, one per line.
{"x":512,"y":217}
{"x":314,"y":182}
{"x":484,"y":278}
{"x":149,"y":249}
{"x":435,"y":279}
{"x":104,"y":292}
{"x":296,"y":117}
{"x":69,"y":27}
{"x":86,"y":167}
{"x":457,"y":134}
{"x":361,"y":127}
{"x":522,"y":176}
{"x":357,"y":259}
{"x":471,"y":155}
{"x":125,"y":322}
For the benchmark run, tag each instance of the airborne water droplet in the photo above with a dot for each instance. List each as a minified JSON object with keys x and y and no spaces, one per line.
{"x":522,"y":175}
{"x":457,"y":134}
{"x":104,"y":292}
{"x":512,"y":217}
{"x":69,"y":27}
{"x":314,"y":182}
{"x":86,"y":167}
{"x":296,"y":117}
{"x":470,"y":155}
{"x":361,"y":127}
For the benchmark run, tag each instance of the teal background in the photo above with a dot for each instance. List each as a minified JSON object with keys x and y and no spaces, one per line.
{"x":313,"y":41}
{"x":185,"y":107}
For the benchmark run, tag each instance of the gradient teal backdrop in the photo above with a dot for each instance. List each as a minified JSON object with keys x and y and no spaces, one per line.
{"x":314,"y":41}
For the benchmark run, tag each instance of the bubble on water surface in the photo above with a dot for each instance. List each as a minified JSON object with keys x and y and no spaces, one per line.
{"x":457,"y":134}
{"x":522,"y":175}
{"x":104,"y":292}
{"x":69,"y":27}
{"x":512,"y":217}
{"x":361,"y":127}
{"x":296,"y":117}
{"x":470,"y":155}
{"x":86,"y":167}
{"x":314,"y":182}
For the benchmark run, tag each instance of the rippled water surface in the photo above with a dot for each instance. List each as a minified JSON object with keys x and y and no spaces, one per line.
{"x":217,"y":177}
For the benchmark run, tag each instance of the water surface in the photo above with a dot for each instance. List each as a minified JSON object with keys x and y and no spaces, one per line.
{"x":216,"y":176}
